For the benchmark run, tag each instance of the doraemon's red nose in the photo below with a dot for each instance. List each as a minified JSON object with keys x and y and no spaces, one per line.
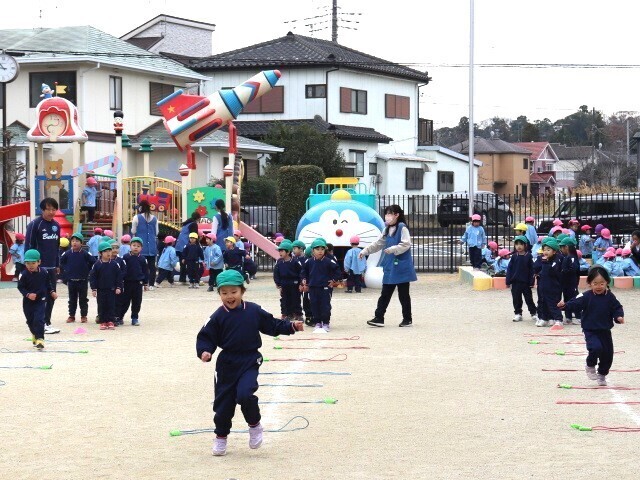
{"x":339,"y":233}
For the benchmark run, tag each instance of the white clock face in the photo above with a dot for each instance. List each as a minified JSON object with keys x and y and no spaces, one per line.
{"x":53,"y":124}
{"x":9,"y":68}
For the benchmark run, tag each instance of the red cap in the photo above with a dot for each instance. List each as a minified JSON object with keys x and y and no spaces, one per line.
{"x":354,"y":239}
{"x":476,"y":217}
{"x":19,"y":236}
{"x":585,"y":228}
{"x":605,"y":233}
{"x":529,"y":219}
{"x":97,"y":230}
{"x":493,"y":245}
{"x":504,"y":252}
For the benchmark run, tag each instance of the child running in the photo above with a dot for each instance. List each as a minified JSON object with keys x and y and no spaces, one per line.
{"x":520,"y":278}
{"x":76,"y":264}
{"x":599,"y":309}
{"x":35,"y":285}
{"x":167,"y":262}
{"x":17,"y":255}
{"x":213,"y":260}
{"x":235,"y":328}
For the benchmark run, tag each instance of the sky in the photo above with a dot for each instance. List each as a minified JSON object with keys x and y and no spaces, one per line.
{"x":426,"y":35}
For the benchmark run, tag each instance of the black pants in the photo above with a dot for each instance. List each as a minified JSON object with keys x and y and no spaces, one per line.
{"x":569,"y":293}
{"x":600,"y":347}
{"x":183,"y":268}
{"x":91,"y":211}
{"x":475,"y":257}
{"x":53,"y":278}
{"x":164,"y":275}
{"x":132,"y":295}
{"x":78,"y":294}
{"x":151,"y":262}
{"x":231,"y":391}
{"x":519,"y":290}
{"x":306,"y":305}
{"x":106,"y":305}
{"x":385,"y":298}
{"x":354,"y":280}
{"x":19,"y":269}
{"x":320,"y":298}
{"x":290,"y":300}
{"x":193,"y":271}
{"x":34,"y":313}
{"x":548,"y":305}
{"x":213,"y":275}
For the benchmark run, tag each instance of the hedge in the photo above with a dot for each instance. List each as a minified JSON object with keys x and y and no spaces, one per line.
{"x":294,"y":184}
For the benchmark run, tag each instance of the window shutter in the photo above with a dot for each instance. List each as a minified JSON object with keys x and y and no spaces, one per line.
{"x":389,"y":106}
{"x":345,"y":100}
{"x":402,"y":107}
{"x":273,"y":101}
{"x":254,"y":106}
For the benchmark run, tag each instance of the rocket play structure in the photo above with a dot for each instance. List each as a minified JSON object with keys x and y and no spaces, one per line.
{"x":189,"y":118}
{"x":7,"y":213}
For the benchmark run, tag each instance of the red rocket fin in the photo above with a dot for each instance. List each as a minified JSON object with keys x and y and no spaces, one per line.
{"x":177,"y":103}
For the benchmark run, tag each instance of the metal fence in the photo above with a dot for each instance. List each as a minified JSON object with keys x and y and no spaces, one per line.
{"x":436,"y":222}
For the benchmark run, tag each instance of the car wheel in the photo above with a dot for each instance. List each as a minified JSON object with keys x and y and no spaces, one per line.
{"x":508,"y":221}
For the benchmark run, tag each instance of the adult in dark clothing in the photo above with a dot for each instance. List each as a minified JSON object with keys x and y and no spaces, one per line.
{"x":146,"y":227}
{"x":189,"y":226}
{"x":43,"y":235}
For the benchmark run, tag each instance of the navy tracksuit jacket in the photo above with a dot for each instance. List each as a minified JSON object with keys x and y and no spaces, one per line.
{"x":570,"y":279}
{"x":286,"y":275}
{"x":549,"y":273}
{"x":76,"y":266}
{"x":598,"y":312}
{"x":237,"y":333}
{"x":520,"y":277}
{"x":38,"y":282}
{"x":135,"y":279}
{"x":105,"y":278}
{"x":192,"y":256}
{"x":318,"y":274}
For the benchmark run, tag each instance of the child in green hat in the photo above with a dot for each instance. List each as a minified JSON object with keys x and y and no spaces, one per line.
{"x":35,"y":286}
{"x":235,"y":328}
{"x":105,"y":280}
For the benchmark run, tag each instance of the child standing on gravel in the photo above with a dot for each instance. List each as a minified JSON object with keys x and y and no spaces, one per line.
{"x":599,"y":309}
{"x":235,"y":328}
{"x":475,"y":238}
{"x":520,"y":278}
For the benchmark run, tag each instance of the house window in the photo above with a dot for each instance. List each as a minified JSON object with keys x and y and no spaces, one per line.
{"x":65,"y":81}
{"x":353,"y":101}
{"x":357,"y":157}
{"x":270,"y":102}
{"x":425,"y":132}
{"x":157,"y":92}
{"x":373,"y":169}
{"x":539,"y":169}
{"x":115,"y":93}
{"x":525,"y":163}
{"x":396,"y":106}
{"x":445,"y":181}
{"x":414,"y":178}
{"x":315,"y":91}
{"x":525,"y":191}
{"x":349,"y":171}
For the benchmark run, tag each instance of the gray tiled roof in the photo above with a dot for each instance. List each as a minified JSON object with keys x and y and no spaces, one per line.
{"x":18,"y":133}
{"x":259,"y":129}
{"x":159,"y":137}
{"x":485,"y":145}
{"x":86,"y":43}
{"x":296,"y":50}
{"x":564,"y":152}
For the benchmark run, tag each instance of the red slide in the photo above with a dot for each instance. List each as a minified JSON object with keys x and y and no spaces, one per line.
{"x":258,"y":240}
{"x":9,"y":212}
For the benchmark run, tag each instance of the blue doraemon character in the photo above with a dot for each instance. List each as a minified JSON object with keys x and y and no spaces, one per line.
{"x":46,"y":91}
{"x":339,"y":219}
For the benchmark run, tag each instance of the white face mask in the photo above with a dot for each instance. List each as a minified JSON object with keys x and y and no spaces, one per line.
{"x":390,"y":219}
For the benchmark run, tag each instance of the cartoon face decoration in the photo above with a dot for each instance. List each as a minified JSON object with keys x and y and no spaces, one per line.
{"x":338,"y":221}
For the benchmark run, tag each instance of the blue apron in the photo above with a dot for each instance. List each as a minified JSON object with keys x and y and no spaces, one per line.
{"x":397,"y":268}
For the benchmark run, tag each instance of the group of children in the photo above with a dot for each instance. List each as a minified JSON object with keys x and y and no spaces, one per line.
{"x":556,"y":264}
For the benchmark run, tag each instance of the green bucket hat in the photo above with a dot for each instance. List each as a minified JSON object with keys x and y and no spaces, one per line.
{"x":79,"y":236}
{"x":31,"y":255}
{"x":230,"y":278}
{"x":307,"y":251}
{"x":104,"y":246}
{"x":561,"y":237}
{"x":137,"y":239}
{"x":521,"y":238}
{"x":285,"y":245}
{"x":299,"y":244}
{"x":551,"y":243}
{"x":568,"y":242}
{"x":319,"y":242}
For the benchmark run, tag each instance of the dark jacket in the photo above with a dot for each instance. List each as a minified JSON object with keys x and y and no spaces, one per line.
{"x":549,"y":275}
{"x":598,"y":311}
{"x":318,"y":273}
{"x":37,"y":282}
{"x":520,"y":269}
{"x":234,"y":258}
{"x":44,"y":236}
{"x":286,"y":272}
{"x":105,"y":276}
{"x":76,"y":265}
{"x":137,"y":269}
{"x":192,"y":252}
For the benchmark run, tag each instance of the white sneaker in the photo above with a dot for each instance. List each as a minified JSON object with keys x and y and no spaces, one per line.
{"x":534,"y":318}
{"x":602,"y":380}
{"x":219,"y":446}
{"x":319,"y":328}
{"x":517,"y":318}
{"x":151,"y":287}
{"x":157,"y":285}
{"x":50,"y":329}
{"x":255,"y":436}
{"x":591,"y":372}
{"x":326,"y":327}
{"x":567,"y":321}
{"x":541,"y":323}
{"x":557,"y":323}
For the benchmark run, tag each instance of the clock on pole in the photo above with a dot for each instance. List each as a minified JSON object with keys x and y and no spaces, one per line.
{"x":9,"y":68}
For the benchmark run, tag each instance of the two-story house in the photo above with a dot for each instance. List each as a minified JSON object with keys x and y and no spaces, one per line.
{"x":102,"y":74}
{"x":543,"y":167}
{"x":505,"y":166}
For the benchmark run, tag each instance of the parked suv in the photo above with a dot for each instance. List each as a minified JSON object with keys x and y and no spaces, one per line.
{"x":619,"y":212}
{"x":454,"y":209}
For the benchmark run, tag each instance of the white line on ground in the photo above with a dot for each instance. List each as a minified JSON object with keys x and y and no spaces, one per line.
{"x":626,"y":409}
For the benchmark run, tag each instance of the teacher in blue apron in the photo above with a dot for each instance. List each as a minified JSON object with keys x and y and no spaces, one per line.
{"x":222,"y":224}
{"x":145,"y":225}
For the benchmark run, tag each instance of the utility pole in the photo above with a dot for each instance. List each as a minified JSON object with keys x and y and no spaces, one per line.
{"x":334,"y":22}
{"x":471,"y":129}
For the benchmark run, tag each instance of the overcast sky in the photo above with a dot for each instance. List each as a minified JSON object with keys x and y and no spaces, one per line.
{"x":427,"y":35}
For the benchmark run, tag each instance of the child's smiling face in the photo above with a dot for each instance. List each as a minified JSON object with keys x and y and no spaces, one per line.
{"x":32,"y":266}
{"x":598,"y":285}
{"x":231,"y":296}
